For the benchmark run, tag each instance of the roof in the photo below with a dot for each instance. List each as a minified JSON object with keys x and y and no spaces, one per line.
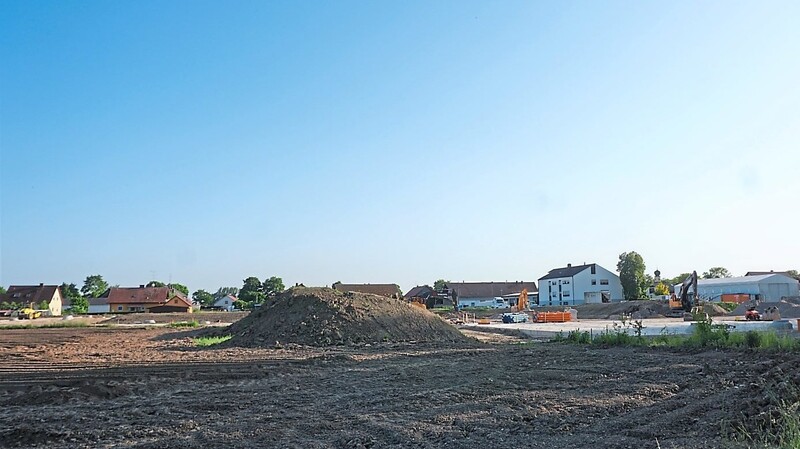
{"x":142,"y":295}
{"x":230,"y":297}
{"x":98,"y":301}
{"x":388,"y":290}
{"x":419,"y":291}
{"x":743,"y":279}
{"x":490,"y":289}
{"x":760,"y":273}
{"x":30,"y":293}
{"x":566,"y":272}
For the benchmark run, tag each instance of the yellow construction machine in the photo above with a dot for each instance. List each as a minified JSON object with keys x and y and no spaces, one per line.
{"x":28,"y":314}
{"x":522,"y":302}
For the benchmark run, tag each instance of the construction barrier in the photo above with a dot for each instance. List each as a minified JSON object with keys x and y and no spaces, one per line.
{"x":554,"y":317}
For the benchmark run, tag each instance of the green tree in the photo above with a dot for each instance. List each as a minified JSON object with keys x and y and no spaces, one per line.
{"x":44,"y":305}
{"x":716,"y":273}
{"x":155,"y":284}
{"x":2,"y":290}
{"x":94,"y":286}
{"x":225,"y":291}
{"x":5,"y":305}
{"x":439,"y":284}
{"x":631,"y":273}
{"x":273,"y":287}
{"x":80,"y":305}
{"x":252,"y":291}
{"x":70,"y":291}
{"x":203,"y":297}
{"x":181,"y":288}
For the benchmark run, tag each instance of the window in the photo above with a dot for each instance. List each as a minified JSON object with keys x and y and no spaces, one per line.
{"x":603,"y":281}
{"x":594,"y":281}
{"x":565,"y":282}
{"x":119,"y":308}
{"x":566,"y":293}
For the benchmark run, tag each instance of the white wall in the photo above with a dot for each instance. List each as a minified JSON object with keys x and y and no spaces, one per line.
{"x":584,"y":287}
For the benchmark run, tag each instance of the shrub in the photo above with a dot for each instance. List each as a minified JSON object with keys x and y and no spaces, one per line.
{"x":210,"y":341}
{"x":181,"y":324}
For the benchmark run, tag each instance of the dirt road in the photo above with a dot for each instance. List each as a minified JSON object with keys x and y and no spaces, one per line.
{"x":149,"y":388}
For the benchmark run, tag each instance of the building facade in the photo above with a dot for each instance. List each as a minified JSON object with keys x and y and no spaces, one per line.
{"x":581,"y":284}
{"x":765,"y":287}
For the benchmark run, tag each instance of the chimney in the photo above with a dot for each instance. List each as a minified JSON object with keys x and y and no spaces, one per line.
{"x":141,"y":285}
{"x":569,"y":265}
{"x":41,"y":284}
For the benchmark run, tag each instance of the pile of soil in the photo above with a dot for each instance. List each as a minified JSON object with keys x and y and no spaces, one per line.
{"x":324,"y":317}
{"x":787,"y":309}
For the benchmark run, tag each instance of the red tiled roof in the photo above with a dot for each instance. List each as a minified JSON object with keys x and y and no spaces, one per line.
{"x":142,"y":295}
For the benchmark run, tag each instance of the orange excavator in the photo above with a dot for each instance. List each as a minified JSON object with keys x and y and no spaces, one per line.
{"x":522,"y":302}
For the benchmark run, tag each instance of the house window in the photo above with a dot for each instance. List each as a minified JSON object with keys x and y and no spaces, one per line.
{"x":594,"y":281}
{"x":565,"y":282}
{"x":119,"y":308}
{"x":603,"y":281}
{"x":566,"y":293}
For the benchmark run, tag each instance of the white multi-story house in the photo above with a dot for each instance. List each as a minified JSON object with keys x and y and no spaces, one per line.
{"x":581,"y":284}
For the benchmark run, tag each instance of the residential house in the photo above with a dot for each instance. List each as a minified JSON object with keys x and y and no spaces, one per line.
{"x":388,"y":290}
{"x":580,"y":284}
{"x":40,"y":297}
{"x":496,"y":295}
{"x":147,"y":299}
{"x":426,"y":295}
{"x":34,"y":296}
{"x":225,"y":303}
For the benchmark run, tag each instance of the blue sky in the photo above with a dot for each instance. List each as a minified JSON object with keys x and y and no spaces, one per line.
{"x":205,"y":142}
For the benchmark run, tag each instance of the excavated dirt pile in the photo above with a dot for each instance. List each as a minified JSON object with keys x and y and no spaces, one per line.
{"x":324,"y":317}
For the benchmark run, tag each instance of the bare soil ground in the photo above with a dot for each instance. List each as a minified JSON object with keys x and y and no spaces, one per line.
{"x":136,"y":318}
{"x":150,"y":388}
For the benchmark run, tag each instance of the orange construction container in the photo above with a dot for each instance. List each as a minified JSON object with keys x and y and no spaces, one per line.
{"x":554,"y":317}
{"x":735,"y":298}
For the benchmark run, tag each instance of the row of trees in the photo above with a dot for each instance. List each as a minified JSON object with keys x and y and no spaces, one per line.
{"x":253,"y":292}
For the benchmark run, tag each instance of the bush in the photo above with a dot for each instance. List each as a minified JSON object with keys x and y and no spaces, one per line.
{"x":181,"y":324}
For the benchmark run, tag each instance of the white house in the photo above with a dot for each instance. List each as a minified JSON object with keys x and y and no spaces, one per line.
{"x":581,"y":284}
{"x":225,"y":303}
{"x":765,"y":287}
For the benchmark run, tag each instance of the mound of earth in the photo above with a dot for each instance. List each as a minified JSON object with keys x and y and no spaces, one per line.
{"x":324,"y":317}
{"x":786,"y":309}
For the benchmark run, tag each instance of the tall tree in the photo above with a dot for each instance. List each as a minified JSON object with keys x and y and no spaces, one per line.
{"x":70,"y":291}
{"x":94,"y":286}
{"x":439,"y":284}
{"x":273,"y":287}
{"x":631,"y":273}
{"x":252,"y":291}
{"x":155,"y":284}
{"x":181,"y":288}
{"x":203,"y":297}
{"x":716,"y":273}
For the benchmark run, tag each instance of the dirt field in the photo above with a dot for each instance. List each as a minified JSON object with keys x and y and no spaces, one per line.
{"x":149,"y":388}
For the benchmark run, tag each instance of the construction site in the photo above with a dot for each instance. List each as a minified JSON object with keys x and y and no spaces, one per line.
{"x":323,"y":368}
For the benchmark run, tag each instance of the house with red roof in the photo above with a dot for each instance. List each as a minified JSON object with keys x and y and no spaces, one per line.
{"x":146,"y":299}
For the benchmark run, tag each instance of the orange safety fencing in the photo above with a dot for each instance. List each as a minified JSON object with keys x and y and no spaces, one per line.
{"x":553,"y":317}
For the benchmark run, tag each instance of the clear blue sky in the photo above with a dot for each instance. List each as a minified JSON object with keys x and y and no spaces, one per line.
{"x":395,"y":141}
